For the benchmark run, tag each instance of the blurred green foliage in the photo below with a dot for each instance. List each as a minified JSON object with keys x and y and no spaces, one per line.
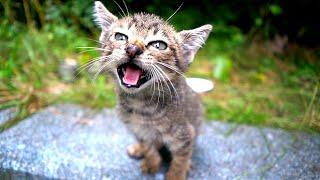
{"x":261,"y":60}
{"x":223,"y":68}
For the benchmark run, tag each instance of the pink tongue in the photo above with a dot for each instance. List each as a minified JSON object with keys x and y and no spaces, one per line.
{"x":131,"y":75}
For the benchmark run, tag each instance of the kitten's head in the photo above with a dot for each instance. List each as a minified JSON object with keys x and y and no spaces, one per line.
{"x":142,"y":49}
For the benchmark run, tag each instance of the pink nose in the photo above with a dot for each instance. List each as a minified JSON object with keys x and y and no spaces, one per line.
{"x":133,"y":50}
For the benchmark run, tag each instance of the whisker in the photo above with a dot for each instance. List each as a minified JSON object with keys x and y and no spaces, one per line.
{"x":92,"y":61}
{"x":101,"y":43}
{"x":150,"y":74}
{"x":161,"y":85}
{"x":175,"y":12}
{"x":101,"y":69}
{"x":126,"y":7}
{"x":92,"y":49}
{"x":158,"y":87}
{"x":88,"y":47}
{"x":175,"y":91}
{"x":85,"y":66}
{"x":153,"y":86}
{"x":158,"y":75}
{"x":164,"y":80}
{"x":122,"y":15}
{"x":89,"y":64}
{"x":98,"y":72}
{"x":172,"y":68}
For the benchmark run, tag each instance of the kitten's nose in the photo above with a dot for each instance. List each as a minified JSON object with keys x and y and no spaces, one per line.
{"x":133,"y":50}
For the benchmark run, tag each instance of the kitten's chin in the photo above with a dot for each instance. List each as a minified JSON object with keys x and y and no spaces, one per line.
{"x":141,"y":89}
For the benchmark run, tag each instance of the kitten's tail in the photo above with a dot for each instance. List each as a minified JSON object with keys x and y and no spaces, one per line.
{"x":200,"y":85}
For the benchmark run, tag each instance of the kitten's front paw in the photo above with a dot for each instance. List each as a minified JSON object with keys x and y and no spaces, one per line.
{"x":135,"y":150}
{"x":150,"y":165}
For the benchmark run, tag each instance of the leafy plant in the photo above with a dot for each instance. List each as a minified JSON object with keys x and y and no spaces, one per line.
{"x":223,"y":68}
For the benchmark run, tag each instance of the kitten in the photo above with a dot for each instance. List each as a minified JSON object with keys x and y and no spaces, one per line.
{"x":146,"y":58}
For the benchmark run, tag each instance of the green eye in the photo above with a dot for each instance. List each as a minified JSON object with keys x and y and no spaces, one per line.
{"x":159,"y":45}
{"x":120,"y":37}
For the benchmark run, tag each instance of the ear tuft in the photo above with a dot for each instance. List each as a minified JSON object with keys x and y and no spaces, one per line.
{"x":102,"y":16}
{"x":193,"y":40}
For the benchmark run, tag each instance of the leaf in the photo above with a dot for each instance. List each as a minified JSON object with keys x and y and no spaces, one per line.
{"x":258,"y":21}
{"x":222,"y":70}
{"x":275,"y":9}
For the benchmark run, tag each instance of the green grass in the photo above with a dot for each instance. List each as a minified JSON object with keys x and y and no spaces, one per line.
{"x":253,"y":85}
{"x":262,"y":88}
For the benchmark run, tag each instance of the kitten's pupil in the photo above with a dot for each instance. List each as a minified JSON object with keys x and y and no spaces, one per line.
{"x":120,"y":37}
{"x":159,"y":45}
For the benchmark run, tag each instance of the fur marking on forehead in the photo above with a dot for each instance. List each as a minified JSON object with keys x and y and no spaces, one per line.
{"x":147,"y":22}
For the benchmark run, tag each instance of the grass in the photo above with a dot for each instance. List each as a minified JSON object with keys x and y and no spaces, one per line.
{"x":269,"y":90}
{"x":253,"y":84}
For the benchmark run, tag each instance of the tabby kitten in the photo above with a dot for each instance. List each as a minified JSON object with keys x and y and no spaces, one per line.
{"x":147,"y":58}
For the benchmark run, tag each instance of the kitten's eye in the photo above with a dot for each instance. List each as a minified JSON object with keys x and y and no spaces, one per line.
{"x":120,"y":37}
{"x":159,"y":45}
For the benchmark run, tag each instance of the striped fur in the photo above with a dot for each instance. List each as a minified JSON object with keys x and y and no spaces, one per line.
{"x":163,"y":112}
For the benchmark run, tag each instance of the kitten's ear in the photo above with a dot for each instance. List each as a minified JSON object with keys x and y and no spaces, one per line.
{"x":192,"y":41}
{"x":103,"y":17}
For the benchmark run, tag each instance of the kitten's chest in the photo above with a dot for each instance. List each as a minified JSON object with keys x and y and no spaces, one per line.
{"x":145,"y":125}
{"x":144,"y":132}
{"x":139,"y":111}
{"x":142,"y":120}
{"x":145,"y":119}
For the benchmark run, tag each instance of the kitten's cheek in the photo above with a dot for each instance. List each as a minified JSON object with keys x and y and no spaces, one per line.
{"x":113,"y":46}
{"x":124,"y":46}
{"x":118,"y":47}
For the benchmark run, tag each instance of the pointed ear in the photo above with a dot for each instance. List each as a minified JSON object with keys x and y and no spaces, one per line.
{"x":102,"y":16}
{"x":192,"y":41}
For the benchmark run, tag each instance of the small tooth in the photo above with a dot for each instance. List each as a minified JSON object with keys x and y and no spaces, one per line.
{"x":123,"y":71}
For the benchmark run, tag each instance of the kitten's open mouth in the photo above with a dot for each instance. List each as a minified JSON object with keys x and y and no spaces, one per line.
{"x":132,"y":76}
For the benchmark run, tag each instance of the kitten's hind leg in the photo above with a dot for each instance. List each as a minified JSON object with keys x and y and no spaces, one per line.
{"x":152,"y":160}
{"x":181,"y":149}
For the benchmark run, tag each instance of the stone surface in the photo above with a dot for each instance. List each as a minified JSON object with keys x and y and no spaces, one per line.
{"x":7,"y":114}
{"x":72,"y":142}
